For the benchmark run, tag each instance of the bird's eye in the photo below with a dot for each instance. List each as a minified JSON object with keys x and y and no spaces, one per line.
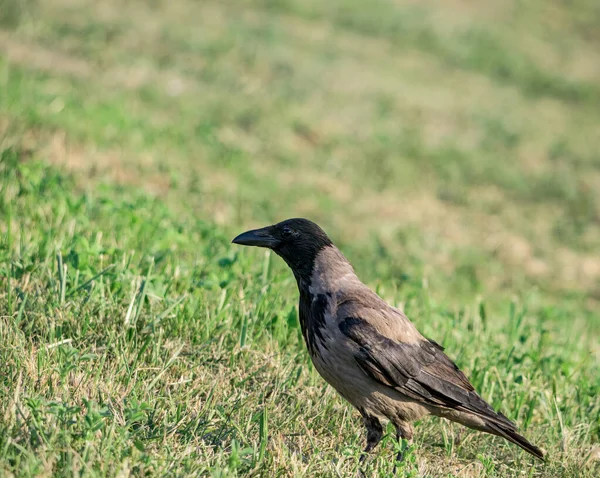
{"x":286,"y":232}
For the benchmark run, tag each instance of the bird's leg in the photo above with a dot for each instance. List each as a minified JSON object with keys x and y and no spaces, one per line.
{"x":404,"y":447}
{"x":404,"y":435}
{"x":374,"y":434}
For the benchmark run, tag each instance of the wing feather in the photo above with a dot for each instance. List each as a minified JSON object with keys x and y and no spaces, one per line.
{"x":421,"y":370}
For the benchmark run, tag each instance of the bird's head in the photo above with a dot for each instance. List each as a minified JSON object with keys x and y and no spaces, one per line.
{"x":296,"y":241}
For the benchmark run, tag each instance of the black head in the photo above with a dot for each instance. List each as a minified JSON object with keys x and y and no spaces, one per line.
{"x":297,"y":241}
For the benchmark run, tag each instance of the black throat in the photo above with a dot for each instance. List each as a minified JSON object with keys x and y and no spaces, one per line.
{"x":312,"y":306}
{"x":311,"y":312}
{"x":301,"y":256}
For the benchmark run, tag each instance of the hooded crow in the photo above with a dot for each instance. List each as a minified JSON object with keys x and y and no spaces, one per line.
{"x":368,"y":350}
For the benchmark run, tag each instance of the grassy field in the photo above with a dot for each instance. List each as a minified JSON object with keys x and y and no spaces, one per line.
{"x":451,"y":150}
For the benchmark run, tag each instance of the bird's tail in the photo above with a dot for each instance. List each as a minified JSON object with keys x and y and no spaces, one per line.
{"x":511,"y":435}
{"x":497,"y":424}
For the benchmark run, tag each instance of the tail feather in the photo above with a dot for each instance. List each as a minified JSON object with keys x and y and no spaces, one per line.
{"x":512,"y":436}
{"x":498,"y":424}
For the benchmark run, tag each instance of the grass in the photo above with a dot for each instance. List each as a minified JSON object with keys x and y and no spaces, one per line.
{"x":450,"y":150}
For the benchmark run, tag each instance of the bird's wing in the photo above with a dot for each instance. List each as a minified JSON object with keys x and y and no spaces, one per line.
{"x":419,"y":369}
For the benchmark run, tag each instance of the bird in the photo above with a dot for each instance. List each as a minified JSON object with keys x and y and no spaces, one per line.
{"x":369,"y":351}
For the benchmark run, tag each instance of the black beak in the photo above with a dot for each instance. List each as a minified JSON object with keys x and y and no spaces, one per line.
{"x":257,"y":237}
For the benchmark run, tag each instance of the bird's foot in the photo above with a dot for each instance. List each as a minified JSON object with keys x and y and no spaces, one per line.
{"x":401,"y":455}
{"x":361,"y":465}
{"x":374,"y":435}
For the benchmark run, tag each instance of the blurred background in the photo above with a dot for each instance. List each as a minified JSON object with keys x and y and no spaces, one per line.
{"x":461,"y":137}
{"x":448,"y":146}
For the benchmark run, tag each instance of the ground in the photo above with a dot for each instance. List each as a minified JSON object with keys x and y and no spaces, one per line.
{"x":450,"y":149}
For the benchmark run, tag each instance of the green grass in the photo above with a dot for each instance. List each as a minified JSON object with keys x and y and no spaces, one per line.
{"x":451,"y":151}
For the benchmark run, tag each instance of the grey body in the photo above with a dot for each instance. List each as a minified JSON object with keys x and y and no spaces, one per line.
{"x":368,"y":350}
{"x":334,"y":355}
